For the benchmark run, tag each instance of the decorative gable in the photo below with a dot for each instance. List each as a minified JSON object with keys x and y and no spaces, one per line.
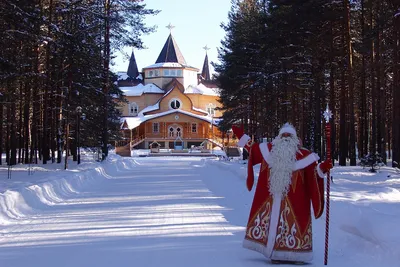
{"x":175,"y":99}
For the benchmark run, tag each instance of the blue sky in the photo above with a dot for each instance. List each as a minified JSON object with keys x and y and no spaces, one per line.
{"x":197,"y":24}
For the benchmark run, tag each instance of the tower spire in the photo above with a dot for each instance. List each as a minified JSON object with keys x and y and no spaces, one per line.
{"x":170,"y":51}
{"x":133,"y":71}
{"x":205,"y":73}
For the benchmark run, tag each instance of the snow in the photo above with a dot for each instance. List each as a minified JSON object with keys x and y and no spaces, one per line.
{"x":149,"y":108}
{"x":165,"y":64}
{"x":200,"y":110}
{"x":169,"y":65}
{"x":140,"y":89}
{"x":202,"y":90}
{"x":177,"y":211}
{"x":122,"y":75}
{"x":134,"y":122}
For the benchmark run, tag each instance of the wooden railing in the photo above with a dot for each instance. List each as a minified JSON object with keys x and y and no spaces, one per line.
{"x":137,"y":141}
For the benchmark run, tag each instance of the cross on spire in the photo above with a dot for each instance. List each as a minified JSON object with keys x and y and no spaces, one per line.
{"x":206,"y":48}
{"x":170,"y":27}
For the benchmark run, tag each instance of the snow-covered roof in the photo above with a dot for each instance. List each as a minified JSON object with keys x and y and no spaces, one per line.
{"x":165,"y":64}
{"x":149,"y":108}
{"x":140,"y":89}
{"x":123,"y":76}
{"x":168,"y":65}
{"x":133,"y":122}
{"x":201,"y":89}
{"x":200,"y":110}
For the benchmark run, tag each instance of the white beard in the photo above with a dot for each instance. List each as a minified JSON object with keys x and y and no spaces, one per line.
{"x":282,"y":161}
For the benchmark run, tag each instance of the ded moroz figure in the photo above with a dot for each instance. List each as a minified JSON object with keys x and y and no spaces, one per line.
{"x":279,"y":224}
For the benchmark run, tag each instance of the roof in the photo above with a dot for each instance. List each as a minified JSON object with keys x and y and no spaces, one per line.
{"x":170,"y":52}
{"x":140,"y":89}
{"x":149,"y":108}
{"x":122,"y":75}
{"x":205,"y":73}
{"x":133,"y":71}
{"x":170,"y":65}
{"x":133,"y":122}
{"x":201,"y":89}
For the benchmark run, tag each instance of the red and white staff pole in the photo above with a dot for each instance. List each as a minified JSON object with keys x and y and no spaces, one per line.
{"x":327,"y":115}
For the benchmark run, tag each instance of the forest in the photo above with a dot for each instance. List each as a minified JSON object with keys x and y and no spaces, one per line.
{"x":56,"y":88}
{"x":284,"y":61}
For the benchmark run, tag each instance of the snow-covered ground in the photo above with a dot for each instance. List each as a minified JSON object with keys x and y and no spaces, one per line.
{"x":177,"y":211}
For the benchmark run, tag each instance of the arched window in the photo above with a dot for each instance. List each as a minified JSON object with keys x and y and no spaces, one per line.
{"x":175,"y":103}
{"x":175,"y":131}
{"x":211,"y":109}
{"x":133,"y":109}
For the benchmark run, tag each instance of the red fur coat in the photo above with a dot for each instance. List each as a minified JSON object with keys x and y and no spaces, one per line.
{"x":280,"y":227}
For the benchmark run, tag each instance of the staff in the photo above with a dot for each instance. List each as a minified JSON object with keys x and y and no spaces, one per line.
{"x":327,"y":115}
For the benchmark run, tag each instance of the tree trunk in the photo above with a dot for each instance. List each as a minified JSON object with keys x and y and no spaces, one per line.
{"x":343,"y":138}
{"x":106,"y":84}
{"x":363,"y":130}
{"x":396,"y":92}
{"x":332,"y":98}
{"x":1,"y":129}
{"x":352,"y":141}
{"x":380,"y":96}
{"x":372,"y":149}
{"x":45,"y":143}
{"x":27,"y":101}
{"x":13,"y":133}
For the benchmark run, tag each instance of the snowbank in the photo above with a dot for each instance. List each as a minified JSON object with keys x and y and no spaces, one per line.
{"x":19,"y":203}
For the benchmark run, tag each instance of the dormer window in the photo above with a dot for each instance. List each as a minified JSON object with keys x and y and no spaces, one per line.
{"x":175,"y":103}
{"x":133,"y":109}
{"x":211,"y":109}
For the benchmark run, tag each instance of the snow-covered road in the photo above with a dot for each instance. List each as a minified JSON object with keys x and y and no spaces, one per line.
{"x":159,"y":212}
{"x":177,"y":212}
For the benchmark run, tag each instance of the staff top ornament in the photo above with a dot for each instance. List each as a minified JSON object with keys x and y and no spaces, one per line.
{"x":327,"y":113}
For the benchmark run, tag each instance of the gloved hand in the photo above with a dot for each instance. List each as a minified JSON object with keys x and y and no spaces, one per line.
{"x":238,"y":131}
{"x":326,"y":165}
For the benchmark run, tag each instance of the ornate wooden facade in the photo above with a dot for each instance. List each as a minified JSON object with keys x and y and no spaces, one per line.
{"x":169,"y":100}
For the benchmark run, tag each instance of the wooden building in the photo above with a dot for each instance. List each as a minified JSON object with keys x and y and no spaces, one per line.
{"x":170,"y":103}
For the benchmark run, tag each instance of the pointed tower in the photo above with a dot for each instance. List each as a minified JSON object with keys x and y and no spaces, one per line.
{"x":170,"y":65}
{"x":133,"y":71}
{"x":205,"y":73}
{"x":171,"y":52}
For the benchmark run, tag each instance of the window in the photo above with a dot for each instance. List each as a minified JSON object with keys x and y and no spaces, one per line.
{"x":171,"y":132}
{"x":153,"y":73}
{"x":133,"y":109}
{"x":175,"y":104}
{"x":194,"y":127}
{"x":156,"y":128}
{"x":178,"y":132}
{"x":172,"y":72}
{"x":211,"y":109}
